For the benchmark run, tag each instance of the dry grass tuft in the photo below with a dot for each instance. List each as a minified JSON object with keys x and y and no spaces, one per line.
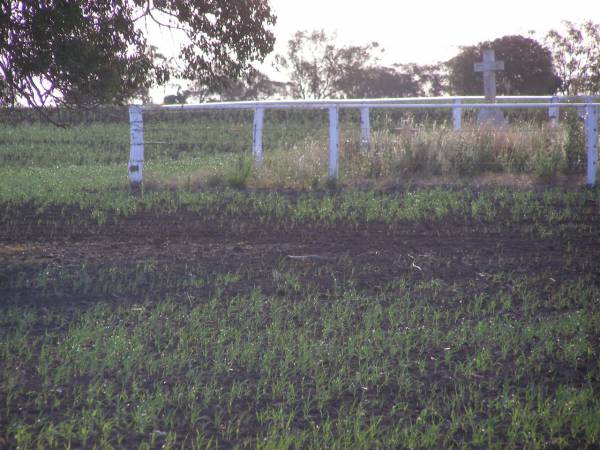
{"x":524,"y":155}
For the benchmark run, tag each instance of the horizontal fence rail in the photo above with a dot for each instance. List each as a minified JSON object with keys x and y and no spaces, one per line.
{"x":588,"y":107}
{"x":546,"y":101}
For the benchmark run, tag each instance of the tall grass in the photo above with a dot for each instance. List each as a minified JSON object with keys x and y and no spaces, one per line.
{"x":420,"y":151}
{"x":440,"y":151}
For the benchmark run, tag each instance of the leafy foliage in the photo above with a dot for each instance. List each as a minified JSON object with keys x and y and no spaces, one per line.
{"x":575,"y":143}
{"x":319,"y":69}
{"x":576,"y":54}
{"x":255,"y":85}
{"x":378,"y":82}
{"x":431,"y":78}
{"x":89,"y":52}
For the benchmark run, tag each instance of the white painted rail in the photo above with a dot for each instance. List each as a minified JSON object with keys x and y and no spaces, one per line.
{"x":588,"y":105}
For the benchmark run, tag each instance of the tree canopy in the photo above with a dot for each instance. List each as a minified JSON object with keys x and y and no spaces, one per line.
{"x":253,"y":86}
{"x":528,"y":68}
{"x":576,"y":52}
{"x":400,"y":80}
{"x":318,"y":68}
{"x":95,"y":51}
{"x":379,"y":81}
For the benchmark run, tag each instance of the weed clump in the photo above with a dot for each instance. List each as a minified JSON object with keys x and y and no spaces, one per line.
{"x":237,"y":176}
{"x":574,"y":145}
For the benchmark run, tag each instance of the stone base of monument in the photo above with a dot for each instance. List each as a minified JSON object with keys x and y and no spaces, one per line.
{"x":491,"y":117}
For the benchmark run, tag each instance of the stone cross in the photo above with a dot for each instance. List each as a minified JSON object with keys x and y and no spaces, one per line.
{"x":489,"y":67}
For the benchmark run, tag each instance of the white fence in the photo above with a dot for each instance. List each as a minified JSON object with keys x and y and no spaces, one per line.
{"x":588,"y":107}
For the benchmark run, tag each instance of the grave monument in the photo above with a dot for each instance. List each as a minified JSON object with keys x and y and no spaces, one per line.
{"x":489,"y":66}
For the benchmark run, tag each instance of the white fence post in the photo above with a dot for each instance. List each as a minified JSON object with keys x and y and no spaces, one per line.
{"x":365,"y":129}
{"x":582,"y":110}
{"x":591,"y":138}
{"x":457,"y":115}
{"x":257,"y":147}
{"x":136,"y":153}
{"x":333,"y":142}
{"x":553,"y":112}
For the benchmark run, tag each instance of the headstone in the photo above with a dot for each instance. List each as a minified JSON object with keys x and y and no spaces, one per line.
{"x":489,"y":67}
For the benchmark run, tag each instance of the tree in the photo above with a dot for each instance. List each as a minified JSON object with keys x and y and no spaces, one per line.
{"x":256,"y":86}
{"x":401,"y":80}
{"x":379,"y":82}
{"x":318,"y":68}
{"x":253,"y":86}
{"x":94,"y":51}
{"x":528,"y":68}
{"x":432,"y":79}
{"x":576,"y":55}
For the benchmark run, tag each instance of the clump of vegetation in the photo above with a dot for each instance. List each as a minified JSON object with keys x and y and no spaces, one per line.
{"x":524,"y":148}
{"x":239,"y":174}
{"x":574,"y":144}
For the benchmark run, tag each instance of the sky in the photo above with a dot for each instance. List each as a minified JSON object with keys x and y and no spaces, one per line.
{"x":420,"y":31}
{"x":426,"y":31}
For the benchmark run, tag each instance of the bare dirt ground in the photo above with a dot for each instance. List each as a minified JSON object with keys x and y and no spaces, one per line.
{"x":450,"y":250}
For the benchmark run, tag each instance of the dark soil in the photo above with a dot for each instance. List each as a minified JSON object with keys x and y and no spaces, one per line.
{"x":458,"y":252}
{"x":452,"y":250}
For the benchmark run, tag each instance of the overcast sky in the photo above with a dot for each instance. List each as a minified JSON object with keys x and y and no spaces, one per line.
{"x":421,"y":31}
{"x":426,"y":31}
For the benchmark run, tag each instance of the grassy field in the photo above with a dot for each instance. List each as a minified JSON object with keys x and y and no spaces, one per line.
{"x":421,"y":302}
{"x":207,"y":149}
